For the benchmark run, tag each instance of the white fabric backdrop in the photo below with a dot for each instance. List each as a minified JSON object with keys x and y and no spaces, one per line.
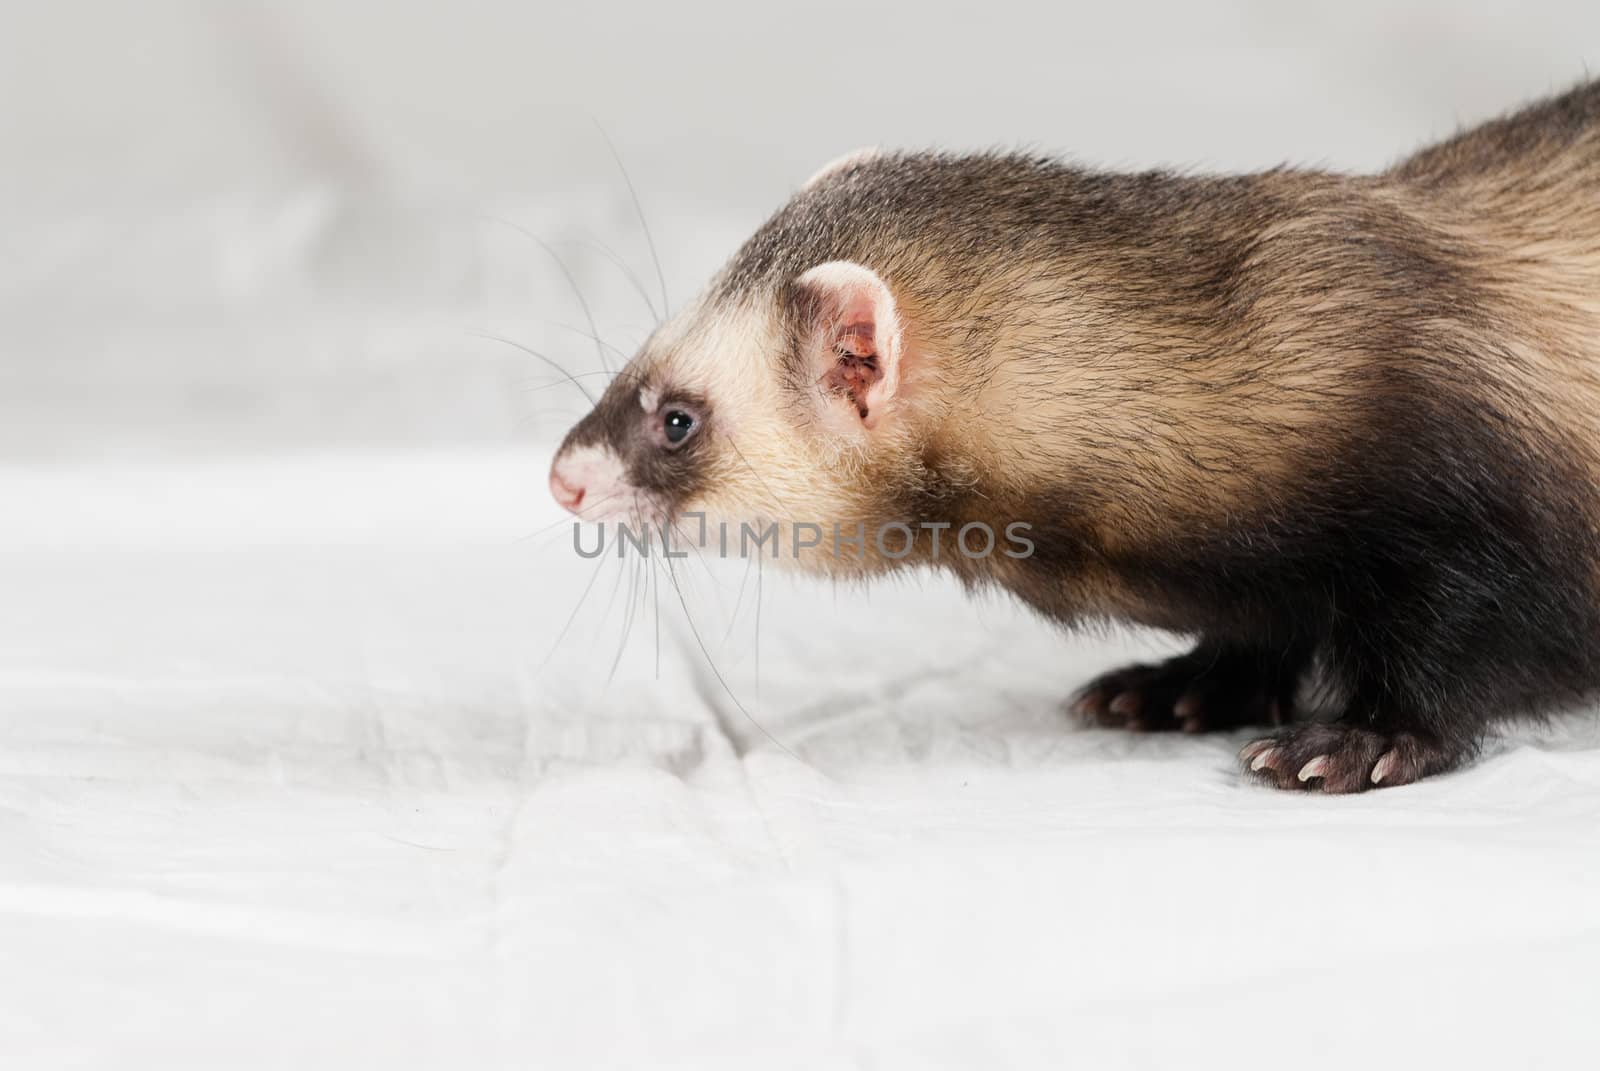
{"x":301,"y":761}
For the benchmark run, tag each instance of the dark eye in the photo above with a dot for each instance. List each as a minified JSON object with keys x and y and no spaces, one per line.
{"x":676,"y":425}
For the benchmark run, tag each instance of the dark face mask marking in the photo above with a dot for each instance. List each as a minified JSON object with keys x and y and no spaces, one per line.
{"x":663,"y":451}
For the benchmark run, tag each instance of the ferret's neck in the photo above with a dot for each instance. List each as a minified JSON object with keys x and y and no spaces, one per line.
{"x":1071,"y":371}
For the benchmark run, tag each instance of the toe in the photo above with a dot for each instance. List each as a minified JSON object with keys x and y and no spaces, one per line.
{"x":1255,"y":747}
{"x":1190,"y":711}
{"x":1338,"y":759}
{"x":1410,"y":758}
{"x":1093,"y":704}
{"x":1127,"y":704}
{"x":1317,"y":767}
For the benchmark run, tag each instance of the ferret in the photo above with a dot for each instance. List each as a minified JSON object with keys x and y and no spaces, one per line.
{"x":1340,"y":429}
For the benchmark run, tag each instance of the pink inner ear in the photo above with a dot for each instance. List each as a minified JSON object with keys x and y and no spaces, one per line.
{"x":856,"y":369}
{"x":857,"y":338}
{"x":853,"y":376}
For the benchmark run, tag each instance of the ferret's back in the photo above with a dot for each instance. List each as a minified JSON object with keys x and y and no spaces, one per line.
{"x":1553,"y":141}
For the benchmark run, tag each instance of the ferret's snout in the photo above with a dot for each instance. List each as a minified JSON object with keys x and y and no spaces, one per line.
{"x":566,"y":495}
{"x":588,"y":478}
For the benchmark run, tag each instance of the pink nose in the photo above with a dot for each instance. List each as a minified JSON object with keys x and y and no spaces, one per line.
{"x":568,"y":496}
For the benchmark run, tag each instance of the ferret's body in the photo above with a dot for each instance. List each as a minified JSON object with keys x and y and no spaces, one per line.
{"x":1314,"y":420}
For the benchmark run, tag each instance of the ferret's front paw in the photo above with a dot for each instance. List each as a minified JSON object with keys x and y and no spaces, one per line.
{"x":1342,"y":758}
{"x":1193,"y":693}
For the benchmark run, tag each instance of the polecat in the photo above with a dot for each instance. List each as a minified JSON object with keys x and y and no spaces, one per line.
{"x":1325,"y":423}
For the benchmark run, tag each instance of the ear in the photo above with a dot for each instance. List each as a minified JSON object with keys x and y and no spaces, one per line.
{"x":850,"y":339}
{"x":841,"y":164}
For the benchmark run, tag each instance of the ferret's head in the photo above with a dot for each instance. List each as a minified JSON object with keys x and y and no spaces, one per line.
{"x":791,"y":392}
{"x":783,"y":405}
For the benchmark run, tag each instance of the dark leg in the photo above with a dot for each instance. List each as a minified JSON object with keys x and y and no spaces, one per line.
{"x":1344,"y":757}
{"x":1390,"y":733}
{"x":1211,"y":687}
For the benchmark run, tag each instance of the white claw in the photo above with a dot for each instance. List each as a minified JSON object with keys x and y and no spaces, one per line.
{"x":1262,"y":759}
{"x":1317,"y":767}
{"x":1385,"y":766}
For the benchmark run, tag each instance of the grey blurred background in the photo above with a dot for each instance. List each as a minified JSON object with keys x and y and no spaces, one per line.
{"x":243,"y":226}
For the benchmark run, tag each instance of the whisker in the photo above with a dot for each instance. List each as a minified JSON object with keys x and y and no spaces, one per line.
{"x":628,"y":272}
{"x":693,"y":545}
{"x":585,"y":513}
{"x":655,"y":593}
{"x":700,"y":559}
{"x":627,"y":619}
{"x":581,"y":375}
{"x":580,"y":515}
{"x":598,"y":341}
{"x":639,"y":211}
{"x":535,"y":353}
{"x":530,"y":387}
{"x":715,"y":672}
{"x":616,"y":586}
{"x":776,"y":501}
{"x":630,"y":612}
{"x":738,"y":602}
{"x":566,"y":273}
{"x":573,"y":616}
{"x":549,"y":529}
{"x":760,"y":571}
{"x":542,"y":419}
